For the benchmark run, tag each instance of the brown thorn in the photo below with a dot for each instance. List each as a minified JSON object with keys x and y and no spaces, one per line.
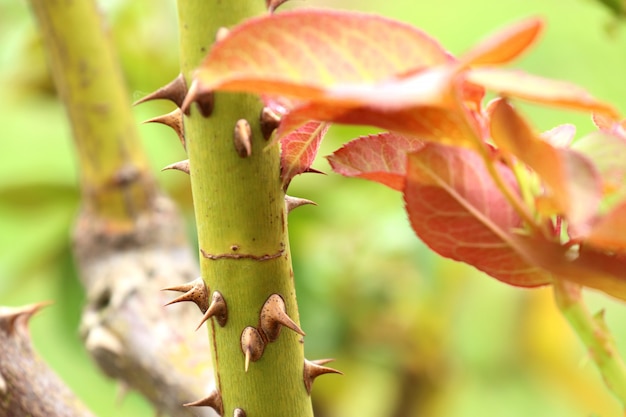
{"x":313,"y":171}
{"x":173,"y":119}
{"x":195,"y":291}
{"x":295,"y":202}
{"x":174,"y":91}
{"x":242,"y":138}
{"x":204,"y":100}
{"x":252,"y":345}
{"x":273,"y":316}
{"x":11,"y":317}
{"x":214,"y":400}
{"x":239,"y":413}
{"x":313,"y":369}
{"x":269,"y":121}
{"x":272,"y":5}
{"x":182,"y":166}
{"x":217,"y":309}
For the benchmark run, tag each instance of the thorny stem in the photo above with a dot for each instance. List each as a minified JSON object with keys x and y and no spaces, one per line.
{"x":242,"y":230}
{"x":595,"y":335}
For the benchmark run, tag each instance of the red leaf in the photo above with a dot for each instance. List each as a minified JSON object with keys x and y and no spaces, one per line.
{"x":456,"y":209}
{"x":380,"y":158}
{"x":574,"y":182}
{"x":301,"y":53}
{"x":539,"y":89}
{"x":610,"y":232}
{"x":505,"y":45}
{"x":299,"y":149}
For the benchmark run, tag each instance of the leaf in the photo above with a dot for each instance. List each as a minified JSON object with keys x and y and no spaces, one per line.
{"x":299,"y":149}
{"x":609,"y":232}
{"x":606,"y":152}
{"x":610,"y":125}
{"x":380,"y":158}
{"x":538,"y":89}
{"x":505,"y":45}
{"x":288,"y":53}
{"x":457,"y":210}
{"x":560,"y":136}
{"x":573,"y":181}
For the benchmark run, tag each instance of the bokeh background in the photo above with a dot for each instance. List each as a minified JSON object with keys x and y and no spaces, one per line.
{"x":415,"y":335}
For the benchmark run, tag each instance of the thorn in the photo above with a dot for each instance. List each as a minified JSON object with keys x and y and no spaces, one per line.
{"x":214,"y":400}
{"x":273,"y":316}
{"x":3,"y":389}
{"x":122,"y":391}
{"x":239,"y":413}
{"x":216,"y":309}
{"x":314,"y":171}
{"x":313,"y":369}
{"x":12,"y":317}
{"x":295,"y":202}
{"x":252,"y":345}
{"x":173,"y":119}
{"x":272,"y":5}
{"x":204,"y":100}
{"x":242,"y":138}
{"x":180,"y":166}
{"x":101,"y":339}
{"x":195,"y":291}
{"x":269,"y":122}
{"x":221,"y":34}
{"x":174,"y":91}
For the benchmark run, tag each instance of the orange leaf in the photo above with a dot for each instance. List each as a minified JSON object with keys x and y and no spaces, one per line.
{"x":301,"y":53}
{"x":538,"y":89}
{"x":609,"y":232}
{"x":299,"y":148}
{"x":505,"y":45}
{"x":380,"y":158}
{"x":457,"y":210}
{"x":574,"y":183}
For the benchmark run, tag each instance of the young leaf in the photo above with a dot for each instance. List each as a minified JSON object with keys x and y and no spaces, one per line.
{"x":609,"y":232}
{"x":610,"y":125}
{"x":288,"y":54}
{"x":299,"y":149}
{"x":606,"y":151}
{"x":505,"y":45}
{"x":457,"y":210}
{"x":538,"y":89}
{"x":380,"y":158}
{"x":574,"y":182}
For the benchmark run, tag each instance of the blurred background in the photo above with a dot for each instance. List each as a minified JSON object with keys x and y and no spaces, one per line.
{"x":415,"y":335}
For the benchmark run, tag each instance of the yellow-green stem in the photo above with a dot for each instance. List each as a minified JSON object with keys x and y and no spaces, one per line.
{"x":595,"y":335}
{"x":242,"y":229}
{"x":115,"y":179}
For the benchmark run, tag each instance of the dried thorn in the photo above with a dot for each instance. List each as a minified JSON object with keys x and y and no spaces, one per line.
{"x":242,"y":138}
{"x":173,"y":119}
{"x":273,"y":316}
{"x":214,"y":400}
{"x":295,"y":202}
{"x":221,"y":34}
{"x":239,"y":413}
{"x":204,"y":100}
{"x":175,"y":91}
{"x":180,"y":166}
{"x":313,"y":171}
{"x":269,"y":122}
{"x":11,"y":317}
{"x":217,"y":309}
{"x":252,"y":345}
{"x":313,"y":369}
{"x":195,"y":291}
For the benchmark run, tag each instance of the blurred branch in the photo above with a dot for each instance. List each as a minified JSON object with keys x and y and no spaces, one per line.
{"x":595,"y":335}
{"x":129,"y":241}
{"x":27,"y":386}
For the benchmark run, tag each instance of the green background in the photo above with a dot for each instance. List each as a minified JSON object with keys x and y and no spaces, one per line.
{"x":415,"y":335}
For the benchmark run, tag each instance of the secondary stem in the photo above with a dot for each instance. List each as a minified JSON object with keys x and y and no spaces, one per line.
{"x":595,"y":335}
{"x":242,"y":230}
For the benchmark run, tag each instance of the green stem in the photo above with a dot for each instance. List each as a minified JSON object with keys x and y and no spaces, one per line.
{"x":242,"y":225}
{"x":595,"y":335}
{"x":115,"y":179}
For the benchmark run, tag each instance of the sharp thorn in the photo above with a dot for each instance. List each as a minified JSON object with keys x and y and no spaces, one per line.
{"x":214,"y":400}
{"x":175,"y":91}
{"x":173,"y":119}
{"x":295,"y":202}
{"x":195,"y":291}
{"x":12,"y":317}
{"x":204,"y":99}
{"x":273,"y":316}
{"x":217,"y":309}
{"x":182,"y":166}
{"x":314,"y":171}
{"x":313,"y":369}
{"x":252,"y":345}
